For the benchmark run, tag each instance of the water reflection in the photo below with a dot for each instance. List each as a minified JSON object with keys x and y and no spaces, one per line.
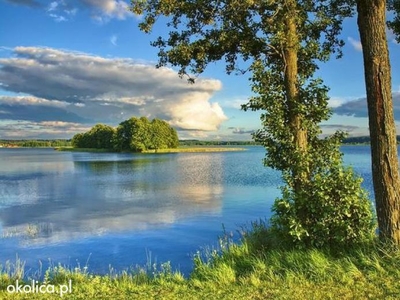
{"x":53,"y":199}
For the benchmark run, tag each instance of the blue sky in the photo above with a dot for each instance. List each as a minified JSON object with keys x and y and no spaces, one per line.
{"x":66,"y":65}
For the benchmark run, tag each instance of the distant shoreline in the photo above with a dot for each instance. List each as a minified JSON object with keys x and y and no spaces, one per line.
{"x":183,"y":144}
{"x":192,"y":149}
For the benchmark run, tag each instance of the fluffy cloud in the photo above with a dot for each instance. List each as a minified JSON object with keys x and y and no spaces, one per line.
{"x":27,"y":100}
{"x":113,"y":40}
{"x":356,"y":44}
{"x":335,"y":102}
{"x":62,"y":10}
{"x":236,"y":102}
{"x":77,"y":87}
{"x":42,"y":130}
{"x":104,"y":9}
{"x":38,"y":109}
{"x":358,"y":108}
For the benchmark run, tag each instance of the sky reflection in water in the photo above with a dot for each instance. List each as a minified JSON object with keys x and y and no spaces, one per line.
{"x":119,"y":208}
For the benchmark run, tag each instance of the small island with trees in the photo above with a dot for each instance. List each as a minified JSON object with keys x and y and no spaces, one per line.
{"x":134,"y":134}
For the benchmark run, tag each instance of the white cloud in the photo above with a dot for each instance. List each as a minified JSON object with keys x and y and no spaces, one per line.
{"x":391,"y":36}
{"x":188,"y":114}
{"x":241,"y":130}
{"x":60,"y":11}
{"x":58,"y":18}
{"x":195,"y":134}
{"x":236,"y":102}
{"x":358,"y":108}
{"x":100,"y":10}
{"x":52,"y":6}
{"x":335,"y":102}
{"x":113,"y":40}
{"x":28,"y":100}
{"x":73,"y":87}
{"x":108,"y":9}
{"x":355,"y":43}
{"x":11,"y":129}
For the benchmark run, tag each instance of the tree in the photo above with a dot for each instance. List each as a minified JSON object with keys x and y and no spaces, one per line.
{"x":163,"y":136}
{"x":385,"y":166}
{"x":77,"y":140}
{"x":276,"y":32}
{"x":141,"y":139}
{"x":102,"y":136}
{"x":99,"y":136}
{"x":132,"y":135}
{"x":394,"y":24}
{"x":139,"y":134}
{"x":173,"y":141}
{"x":281,"y":40}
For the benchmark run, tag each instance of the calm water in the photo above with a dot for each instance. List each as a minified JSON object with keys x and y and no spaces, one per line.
{"x":126,"y":209}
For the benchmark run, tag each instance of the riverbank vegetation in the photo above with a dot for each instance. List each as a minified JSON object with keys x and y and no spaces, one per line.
{"x":35,"y":143}
{"x":183,"y":149}
{"x":192,"y":149}
{"x":66,"y":143}
{"x":257,"y":268}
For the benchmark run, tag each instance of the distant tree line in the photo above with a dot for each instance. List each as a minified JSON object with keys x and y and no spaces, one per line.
{"x":362,"y":140}
{"x":348,"y":140}
{"x":134,"y":134}
{"x":216,"y":143}
{"x":36,"y":143}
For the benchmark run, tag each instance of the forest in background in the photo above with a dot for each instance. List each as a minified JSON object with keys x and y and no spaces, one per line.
{"x":44,"y":143}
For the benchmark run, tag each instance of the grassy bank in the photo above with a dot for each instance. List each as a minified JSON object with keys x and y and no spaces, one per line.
{"x":174,"y":150}
{"x":197,"y":149}
{"x":250,"y":270}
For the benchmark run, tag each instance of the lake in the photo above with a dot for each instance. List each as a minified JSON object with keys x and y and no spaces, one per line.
{"x":122,"y":210}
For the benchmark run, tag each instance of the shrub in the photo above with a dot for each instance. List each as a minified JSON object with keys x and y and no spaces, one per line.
{"x":334,"y":211}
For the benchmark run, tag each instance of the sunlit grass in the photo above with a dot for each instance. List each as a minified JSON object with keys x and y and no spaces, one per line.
{"x":251,"y":269}
{"x":196,"y":149}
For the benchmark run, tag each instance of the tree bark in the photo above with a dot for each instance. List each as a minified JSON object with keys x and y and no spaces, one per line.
{"x":385,"y":167}
{"x":299,"y":131}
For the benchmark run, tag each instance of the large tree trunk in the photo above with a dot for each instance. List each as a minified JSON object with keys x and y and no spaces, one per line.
{"x":292,"y":96}
{"x":385,"y":167}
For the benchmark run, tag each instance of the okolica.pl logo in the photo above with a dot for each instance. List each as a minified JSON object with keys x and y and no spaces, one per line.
{"x":36,"y":287}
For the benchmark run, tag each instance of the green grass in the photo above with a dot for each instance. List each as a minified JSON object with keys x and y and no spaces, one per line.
{"x":196,"y":149}
{"x":251,"y":270}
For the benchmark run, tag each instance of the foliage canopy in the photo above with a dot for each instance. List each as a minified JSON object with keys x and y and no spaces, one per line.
{"x":282,"y":42}
{"x":134,"y":134}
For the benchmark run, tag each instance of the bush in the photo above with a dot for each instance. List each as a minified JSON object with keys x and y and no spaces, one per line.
{"x":334,"y":211}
